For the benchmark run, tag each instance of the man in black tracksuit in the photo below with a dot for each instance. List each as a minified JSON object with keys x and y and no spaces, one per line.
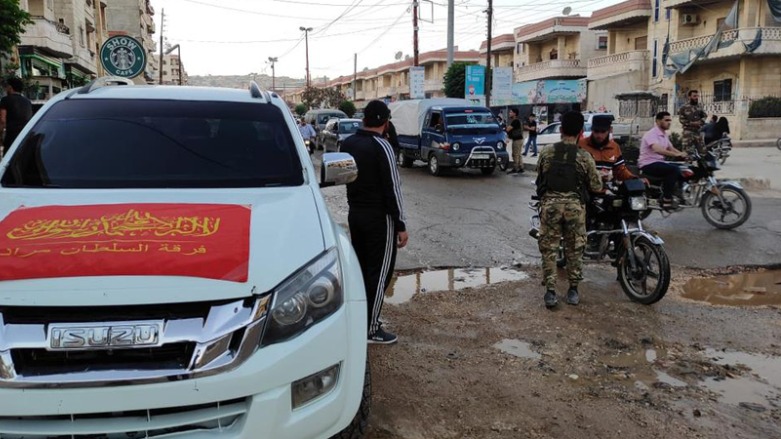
{"x":376,"y":215}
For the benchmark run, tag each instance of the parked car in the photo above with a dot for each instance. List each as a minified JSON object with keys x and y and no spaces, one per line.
{"x":318,"y":119}
{"x":336,"y":130}
{"x":551,"y":134}
{"x":169,"y":267}
{"x":358,"y":115}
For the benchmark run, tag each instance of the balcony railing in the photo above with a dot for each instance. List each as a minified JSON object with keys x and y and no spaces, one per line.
{"x":618,"y":63}
{"x":769,"y":34}
{"x":49,"y":34}
{"x":551,"y":69}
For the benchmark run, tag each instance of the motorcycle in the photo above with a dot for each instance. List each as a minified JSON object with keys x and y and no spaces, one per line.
{"x":614,"y":230}
{"x":724,"y":203}
{"x":720,"y":148}
{"x":309,"y":146}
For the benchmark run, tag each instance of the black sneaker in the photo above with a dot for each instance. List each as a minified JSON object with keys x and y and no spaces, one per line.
{"x":521,"y":171}
{"x":382,"y":336}
{"x":512,"y":171}
{"x":573,"y":298}
{"x":550,"y":299}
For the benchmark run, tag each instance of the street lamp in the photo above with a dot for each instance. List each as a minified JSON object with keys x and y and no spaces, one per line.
{"x":272,"y":60}
{"x":306,"y":31}
{"x":179,"y":54}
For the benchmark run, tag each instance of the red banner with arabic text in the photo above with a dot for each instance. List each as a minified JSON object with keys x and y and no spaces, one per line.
{"x":200,"y":240}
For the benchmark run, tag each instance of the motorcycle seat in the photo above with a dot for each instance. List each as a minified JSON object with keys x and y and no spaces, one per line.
{"x":651,"y":178}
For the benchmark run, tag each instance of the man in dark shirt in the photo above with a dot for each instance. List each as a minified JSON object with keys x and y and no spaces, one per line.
{"x":531,"y":127}
{"x":15,"y":111}
{"x":376,"y":215}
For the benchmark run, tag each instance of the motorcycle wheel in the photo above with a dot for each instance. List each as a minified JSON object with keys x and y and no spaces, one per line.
{"x":646,"y":213}
{"x":726,"y":217}
{"x":652,"y":264}
{"x":723,"y":157}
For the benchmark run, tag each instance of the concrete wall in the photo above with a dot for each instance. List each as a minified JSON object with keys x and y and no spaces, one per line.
{"x":77,"y":15}
{"x":601,"y":93}
{"x":123,"y":15}
{"x":623,"y":40}
{"x":587,"y":45}
{"x":761,"y":128}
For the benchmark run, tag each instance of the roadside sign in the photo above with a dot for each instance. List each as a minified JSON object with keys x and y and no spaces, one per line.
{"x":123,"y":56}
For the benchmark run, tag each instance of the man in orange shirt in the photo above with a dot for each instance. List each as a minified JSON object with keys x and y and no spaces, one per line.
{"x":606,"y":152}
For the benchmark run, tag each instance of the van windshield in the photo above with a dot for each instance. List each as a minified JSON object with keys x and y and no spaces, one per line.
{"x":144,"y":143}
{"x":471,"y":122}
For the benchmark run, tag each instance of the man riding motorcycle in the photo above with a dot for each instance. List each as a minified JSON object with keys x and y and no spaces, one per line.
{"x":606,"y":152}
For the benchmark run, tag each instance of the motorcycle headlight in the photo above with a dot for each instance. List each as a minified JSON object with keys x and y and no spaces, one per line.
{"x":638,"y":203}
{"x":456,"y":146}
{"x":500,"y":145}
{"x":309,"y":296}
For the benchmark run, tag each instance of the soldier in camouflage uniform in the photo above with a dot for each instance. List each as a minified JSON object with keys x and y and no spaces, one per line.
{"x":565,"y":176}
{"x":692,"y":119}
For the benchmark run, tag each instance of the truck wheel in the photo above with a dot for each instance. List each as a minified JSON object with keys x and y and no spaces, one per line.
{"x":433,"y":165}
{"x":403,"y":160}
{"x":360,"y":424}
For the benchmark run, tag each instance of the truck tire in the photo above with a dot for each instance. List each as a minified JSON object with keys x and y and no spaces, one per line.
{"x":360,"y":424}
{"x":433,"y":165}
{"x":403,"y":160}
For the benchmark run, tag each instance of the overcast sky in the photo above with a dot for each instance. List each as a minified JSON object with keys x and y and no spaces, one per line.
{"x":224,"y":37}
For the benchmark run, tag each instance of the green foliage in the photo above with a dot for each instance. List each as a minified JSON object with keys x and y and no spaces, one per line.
{"x":300,"y":109}
{"x":455,"y":80}
{"x":12,"y":22}
{"x":314,"y":97}
{"x":765,"y":107}
{"x":348,"y":108}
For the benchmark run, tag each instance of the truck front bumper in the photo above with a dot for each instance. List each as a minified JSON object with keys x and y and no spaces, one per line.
{"x":252,"y":401}
{"x":478,"y":160}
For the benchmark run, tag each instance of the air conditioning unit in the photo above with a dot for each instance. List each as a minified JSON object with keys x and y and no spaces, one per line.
{"x":689,"y":19}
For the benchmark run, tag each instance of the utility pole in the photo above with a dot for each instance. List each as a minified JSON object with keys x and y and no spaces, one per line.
{"x":451,"y":19}
{"x":488,"y":75}
{"x":306,"y":31}
{"x":355,"y":76}
{"x":273,"y":60}
{"x":415,"y":32}
{"x":162,"y":49}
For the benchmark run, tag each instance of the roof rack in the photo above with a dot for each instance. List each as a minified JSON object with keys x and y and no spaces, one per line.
{"x":103,"y":82}
{"x":257,"y":92}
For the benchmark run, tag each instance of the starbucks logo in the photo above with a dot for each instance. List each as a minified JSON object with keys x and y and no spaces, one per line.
{"x":123,"y":56}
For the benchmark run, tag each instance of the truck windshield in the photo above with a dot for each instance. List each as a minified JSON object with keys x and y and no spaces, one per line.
{"x":476,"y":122}
{"x":349,"y":127}
{"x":106,"y":143}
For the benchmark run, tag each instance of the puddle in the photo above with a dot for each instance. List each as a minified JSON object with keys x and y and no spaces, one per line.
{"x":517,"y":348}
{"x":662,"y":377}
{"x":761,"y":385}
{"x":747,"y":289}
{"x":403,"y":288}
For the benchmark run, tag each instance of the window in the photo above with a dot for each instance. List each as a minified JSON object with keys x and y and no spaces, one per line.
{"x":519,"y":48}
{"x":81,"y":36}
{"x":722,"y":90}
{"x":654,"y":66}
{"x":641,"y":43}
{"x":668,"y":13}
{"x":656,"y":10}
{"x":602,"y":42}
{"x":164,"y":144}
{"x":554,"y":54}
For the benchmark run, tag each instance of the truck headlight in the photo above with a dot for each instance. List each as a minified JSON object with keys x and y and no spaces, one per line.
{"x":500,"y":145}
{"x":309,"y":296}
{"x":638,"y":203}
{"x":456,"y":146}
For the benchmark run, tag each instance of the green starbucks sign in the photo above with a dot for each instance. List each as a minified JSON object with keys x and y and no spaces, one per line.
{"x":123,"y":56}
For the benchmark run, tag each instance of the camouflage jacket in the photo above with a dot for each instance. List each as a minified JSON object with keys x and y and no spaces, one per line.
{"x":692,"y":117}
{"x":587,"y":170}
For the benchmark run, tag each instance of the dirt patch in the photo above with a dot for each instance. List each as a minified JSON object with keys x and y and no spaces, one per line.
{"x":492,"y":362}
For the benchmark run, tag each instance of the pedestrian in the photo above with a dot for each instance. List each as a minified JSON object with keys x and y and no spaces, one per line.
{"x":531,"y":127}
{"x":515,"y":133}
{"x":654,"y":147}
{"x":15,"y":111}
{"x":721,"y":128}
{"x":376,"y":214}
{"x":309,"y":134}
{"x":392,"y":138}
{"x":500,"y":121}
{"x":692,"y":119}
{"x":565,"y":176}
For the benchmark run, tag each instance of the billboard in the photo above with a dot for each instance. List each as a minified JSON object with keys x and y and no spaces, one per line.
{"x":417,"y":82}
{"x":546,"y":91}
{"x":474,"y":84}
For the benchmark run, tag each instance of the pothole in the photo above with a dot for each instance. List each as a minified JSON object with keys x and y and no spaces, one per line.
{"x":761,"y":387}
{"x":746,"y":289}
{"x":404,"y":287}
{"x":518,"y":348}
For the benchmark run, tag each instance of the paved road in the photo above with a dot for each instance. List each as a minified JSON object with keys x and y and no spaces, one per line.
{"x":467,"y":219}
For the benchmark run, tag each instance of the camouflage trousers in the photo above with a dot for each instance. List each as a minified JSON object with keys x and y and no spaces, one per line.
{"x":562,"y":219}
{"x":692,"y":140}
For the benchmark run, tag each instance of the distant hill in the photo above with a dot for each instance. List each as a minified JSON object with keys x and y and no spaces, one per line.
{"x":241,"y":81}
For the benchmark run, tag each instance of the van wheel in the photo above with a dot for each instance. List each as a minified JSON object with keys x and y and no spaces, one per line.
{"x":433,"y":165}
{"x":360,"y":424}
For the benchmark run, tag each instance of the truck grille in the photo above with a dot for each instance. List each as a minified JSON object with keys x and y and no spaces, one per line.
{"x":150,"y":423}
{"x":95,"y":346}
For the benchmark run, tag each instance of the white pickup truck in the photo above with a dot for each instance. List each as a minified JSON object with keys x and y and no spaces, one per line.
{"x":168,"y":268}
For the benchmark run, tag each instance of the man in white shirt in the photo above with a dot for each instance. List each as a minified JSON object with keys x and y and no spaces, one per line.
{"x":308,"y":133}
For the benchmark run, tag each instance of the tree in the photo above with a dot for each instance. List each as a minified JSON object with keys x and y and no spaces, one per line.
{"x":348,"y":108}
{"x":314,"y":97}
{"x":300,"y":109}
{"x":12,"y":22}
{"x":311,"y":97}
{"x":455,"y":80}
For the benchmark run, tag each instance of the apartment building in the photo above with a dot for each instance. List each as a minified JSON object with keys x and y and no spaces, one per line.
{"x":79,"y":17}
{"x":391,"y":81}
{"x":135,"y":18}
{"x":174,"y":72}
{"x":502,"y":51}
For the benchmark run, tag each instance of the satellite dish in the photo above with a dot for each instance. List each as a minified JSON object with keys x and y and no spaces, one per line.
{"x":398,"y":55}
{"x":566,"y":11}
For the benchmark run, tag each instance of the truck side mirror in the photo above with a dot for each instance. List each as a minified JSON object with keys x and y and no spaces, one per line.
{"x":338,"y":168}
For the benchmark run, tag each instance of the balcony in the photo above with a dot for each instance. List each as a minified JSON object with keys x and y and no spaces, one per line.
{"x":557,"y":68}
{"x":53,"y":37}
{"x":433,"y":85}
{"x":550,"y":29}
{"x":618,"y":63}
{"x":621,"y":15}
{"x":733,"y":42}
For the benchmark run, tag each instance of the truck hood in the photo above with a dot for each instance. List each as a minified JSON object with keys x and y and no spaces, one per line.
{"x":469,"y":141}
{"x":285,"y":233}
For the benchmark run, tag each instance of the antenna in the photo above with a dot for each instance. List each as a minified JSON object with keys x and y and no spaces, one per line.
{"x":566,"y":11}
{"x":398,"y":55}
